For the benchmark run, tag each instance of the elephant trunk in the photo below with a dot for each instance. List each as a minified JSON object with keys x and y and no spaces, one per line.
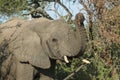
{"x":81,"y":31}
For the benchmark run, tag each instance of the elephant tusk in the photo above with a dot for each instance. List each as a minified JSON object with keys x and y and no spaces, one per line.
{"x":66,"y":59}
{"x":86,"y":61}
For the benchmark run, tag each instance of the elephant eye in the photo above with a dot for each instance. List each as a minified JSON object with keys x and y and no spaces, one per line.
{"x":54,"y":40}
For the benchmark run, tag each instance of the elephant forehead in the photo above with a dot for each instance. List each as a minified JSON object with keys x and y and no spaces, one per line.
{"x":59,"y":34}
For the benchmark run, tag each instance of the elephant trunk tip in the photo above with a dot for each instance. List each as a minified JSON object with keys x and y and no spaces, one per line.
{"x":79,"y":19}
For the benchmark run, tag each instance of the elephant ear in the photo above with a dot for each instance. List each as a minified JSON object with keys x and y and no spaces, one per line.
{"x":28,"y":48}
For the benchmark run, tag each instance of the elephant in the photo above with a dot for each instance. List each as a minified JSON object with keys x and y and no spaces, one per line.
{"x":32,"y":47}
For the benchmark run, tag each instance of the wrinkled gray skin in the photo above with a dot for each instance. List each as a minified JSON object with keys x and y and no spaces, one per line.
{"x":35,"y":45}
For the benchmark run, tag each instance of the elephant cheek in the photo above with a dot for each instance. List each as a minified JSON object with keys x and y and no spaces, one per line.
{"x":64,"y":52}
{"x":74,"y":47}
{"x":69,"y":50}
{"x":51,"y":52}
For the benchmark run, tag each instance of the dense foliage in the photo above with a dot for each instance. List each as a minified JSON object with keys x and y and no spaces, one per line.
{"x":9,"y":7}
{"x":103,"y":30}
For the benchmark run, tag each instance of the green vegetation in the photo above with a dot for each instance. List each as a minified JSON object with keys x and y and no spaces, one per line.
{"x":9,"y":7}
{"x":103,"y":30}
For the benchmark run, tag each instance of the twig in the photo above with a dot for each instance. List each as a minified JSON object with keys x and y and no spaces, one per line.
{"x":42,"y":12}
{"x":68,"y":11}
{"x":69,"y":76}
{"x":45,"y":14}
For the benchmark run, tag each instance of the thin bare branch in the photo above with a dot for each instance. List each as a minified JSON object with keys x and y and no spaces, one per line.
{"x":68,"y":11}
{"x":42,"y":12}
{"x":85,"y":6}
{"x":72,"y":74}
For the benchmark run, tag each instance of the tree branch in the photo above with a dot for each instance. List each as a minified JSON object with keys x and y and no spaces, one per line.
{"x":36,"y":13}
{"x":77,"y":70}
{"x":69,"y":13}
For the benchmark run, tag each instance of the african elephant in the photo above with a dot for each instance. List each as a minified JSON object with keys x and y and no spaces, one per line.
{"x":34,"y":46}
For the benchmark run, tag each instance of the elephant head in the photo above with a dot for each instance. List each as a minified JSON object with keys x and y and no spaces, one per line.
{"x":62,"y":41}
{"x":40,"y":40}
